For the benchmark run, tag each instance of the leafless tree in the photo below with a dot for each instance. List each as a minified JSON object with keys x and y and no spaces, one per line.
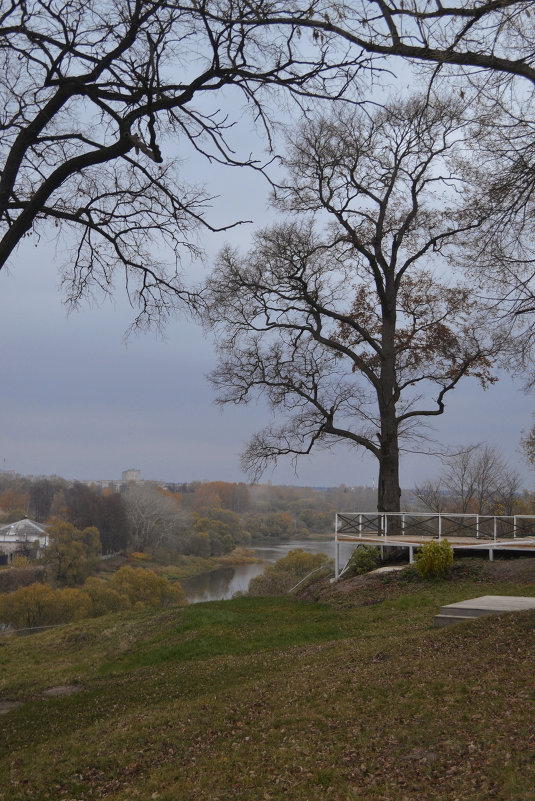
{"x":477,"y":479}
{"x":503,"y":246}
{"x":95,"y":95}
{"x":507,"y":492}
{"x":432,"y":495}
{"x":489,"y":37}
{"x":527,"y":443}
{"x":152,"y":515}
{"x":356,"y":334}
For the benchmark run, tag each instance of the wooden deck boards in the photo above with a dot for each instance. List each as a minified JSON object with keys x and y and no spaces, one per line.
{"x":455,"y":542}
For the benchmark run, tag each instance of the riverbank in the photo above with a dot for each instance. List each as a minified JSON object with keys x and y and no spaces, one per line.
{"x":191,"y":566}
{"x":222,"y":577}
{"x":183,"y":567}
{"x":232,"y":579}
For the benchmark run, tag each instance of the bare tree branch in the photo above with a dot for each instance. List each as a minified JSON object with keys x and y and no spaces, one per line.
{"x":92,"y":97}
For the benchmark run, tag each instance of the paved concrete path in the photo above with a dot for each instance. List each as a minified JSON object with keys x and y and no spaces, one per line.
{"x":481,"y":607}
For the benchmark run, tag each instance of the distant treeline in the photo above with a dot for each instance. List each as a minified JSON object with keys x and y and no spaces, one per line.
{"x":198,"y":518}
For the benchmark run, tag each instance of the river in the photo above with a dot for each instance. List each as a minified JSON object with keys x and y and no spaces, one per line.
{"x":222,"y":584}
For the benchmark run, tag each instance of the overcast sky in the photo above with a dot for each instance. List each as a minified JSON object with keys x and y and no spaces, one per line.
{"x":79,"y":402}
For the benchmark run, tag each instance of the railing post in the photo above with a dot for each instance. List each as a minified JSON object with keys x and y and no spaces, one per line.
{"x":360,"y":526}
{"x":439,"y":526}
{"x":336,"y":553}
{"x":477,"y":527}
{"x":514,"y":527}
{"x":495,"y":527}
{"x":403,"y":525}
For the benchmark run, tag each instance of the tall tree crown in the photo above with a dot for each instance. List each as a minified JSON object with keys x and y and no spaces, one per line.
{"x":350,"y":319}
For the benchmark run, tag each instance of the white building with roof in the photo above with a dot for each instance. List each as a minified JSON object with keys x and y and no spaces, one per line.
{"x":24,"y":536}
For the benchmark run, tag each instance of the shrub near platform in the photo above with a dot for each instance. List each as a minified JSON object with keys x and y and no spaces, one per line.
{"x":434,"y":559}
{"x":364,"y":559}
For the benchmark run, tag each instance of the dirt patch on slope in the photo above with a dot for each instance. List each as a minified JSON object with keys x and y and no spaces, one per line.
{"x":512,"y":569}
{"x":374,"y":587}
{"x":7,"y":706}
{"x":61,"y":690}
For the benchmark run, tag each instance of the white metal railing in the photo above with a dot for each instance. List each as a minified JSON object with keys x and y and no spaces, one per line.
{"x":352,"y":526}
{"x":439,"y":525}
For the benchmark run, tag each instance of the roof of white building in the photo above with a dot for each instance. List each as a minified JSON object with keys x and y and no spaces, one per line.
{"x":22,"y":531}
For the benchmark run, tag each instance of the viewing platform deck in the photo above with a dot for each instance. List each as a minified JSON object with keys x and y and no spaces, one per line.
{"x":412,"y":530}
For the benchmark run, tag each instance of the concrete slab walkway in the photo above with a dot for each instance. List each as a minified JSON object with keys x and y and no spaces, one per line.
{"x":481,"y":607}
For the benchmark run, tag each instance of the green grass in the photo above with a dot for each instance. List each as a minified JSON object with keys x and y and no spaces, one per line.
{"x":277,"y":699}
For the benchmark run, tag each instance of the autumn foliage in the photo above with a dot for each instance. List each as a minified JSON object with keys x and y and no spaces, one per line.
{"x":281,"y":577}
{"x":434,"y":559}
{"x":72,"y":553}
{"x":42,"y":605}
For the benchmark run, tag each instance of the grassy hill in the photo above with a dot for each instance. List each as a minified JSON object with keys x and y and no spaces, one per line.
{"x":353,"y":697}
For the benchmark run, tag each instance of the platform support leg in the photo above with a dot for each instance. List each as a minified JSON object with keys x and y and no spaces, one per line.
{"x":382,"y":553}
{"x":491,"y":554}
{"x":411,"y":555}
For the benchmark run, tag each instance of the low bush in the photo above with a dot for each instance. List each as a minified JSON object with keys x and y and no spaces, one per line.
{"x":138,"y":556}
{"x":19,"y":560}
{"x":280,"y":578}
{"x":145,"y":588}
{"x":42,"y":605}
{"x":434,"y":559}
{"x":11,"y":578}
{"x":363,"y":559}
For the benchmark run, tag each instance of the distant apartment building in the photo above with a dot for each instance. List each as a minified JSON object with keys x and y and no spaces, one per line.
{"x":131,"y":475}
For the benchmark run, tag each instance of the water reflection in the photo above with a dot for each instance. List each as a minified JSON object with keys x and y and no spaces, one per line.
{"x":222,"y":584}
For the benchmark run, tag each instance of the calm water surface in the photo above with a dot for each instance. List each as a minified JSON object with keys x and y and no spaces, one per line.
{"x":222,"y":584}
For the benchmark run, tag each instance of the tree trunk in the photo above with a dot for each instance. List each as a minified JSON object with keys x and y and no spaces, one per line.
{"x":388,"y":491}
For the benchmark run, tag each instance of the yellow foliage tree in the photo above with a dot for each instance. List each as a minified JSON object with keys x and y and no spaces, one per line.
{"x":72,"y":604}
{"x":42,"y":605}
{"x":11,"y":499}
{"x":144,"y":587}
{"x":72,"y":553}
{"x":29,"y":607}
{"x":103,"y":597}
